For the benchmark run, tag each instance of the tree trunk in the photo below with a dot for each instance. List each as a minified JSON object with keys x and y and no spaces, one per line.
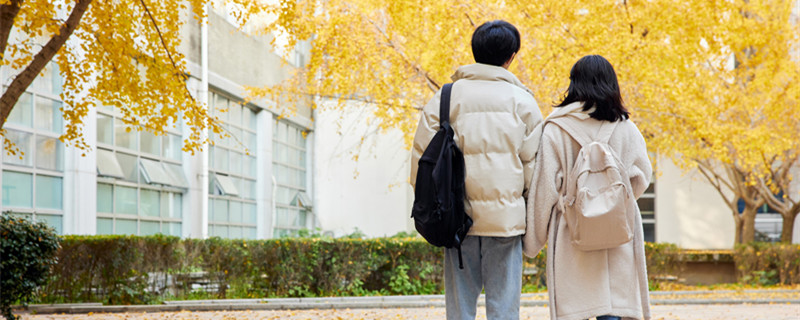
{"x":8,"y":12}
{"x":40,"y":60}
{"x":788,"y":227}
{"x":737,"y":220}
{"x":748,"y":225}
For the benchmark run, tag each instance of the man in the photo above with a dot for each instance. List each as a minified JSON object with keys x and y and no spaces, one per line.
{"x":493,"y":116}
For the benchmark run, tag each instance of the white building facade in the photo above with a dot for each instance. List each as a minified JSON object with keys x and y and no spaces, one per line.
{"x":256,"y":184}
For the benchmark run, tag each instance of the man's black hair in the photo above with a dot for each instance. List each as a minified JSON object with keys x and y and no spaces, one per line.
{"x":494,"y":42}
{"x":594,"y":82}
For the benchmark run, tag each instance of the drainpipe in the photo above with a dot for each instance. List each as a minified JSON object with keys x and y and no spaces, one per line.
{"x":274,"y":207}
{"x":204,"y":99}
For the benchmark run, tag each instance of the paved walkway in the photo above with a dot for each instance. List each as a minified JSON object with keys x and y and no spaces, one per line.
{"x":660,"y":312}
{"x":769,"y":304}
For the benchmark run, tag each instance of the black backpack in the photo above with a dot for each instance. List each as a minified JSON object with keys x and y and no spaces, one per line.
{"x":439,"y":195}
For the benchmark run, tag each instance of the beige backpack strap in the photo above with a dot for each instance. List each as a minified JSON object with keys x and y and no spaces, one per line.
{"x":606,"y":130}
{"x":572,"y":128}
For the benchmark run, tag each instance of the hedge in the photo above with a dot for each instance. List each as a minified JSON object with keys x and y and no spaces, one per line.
{"x":136,"y":270}
{"x":141,"y":270}
{"x":768,"y":263}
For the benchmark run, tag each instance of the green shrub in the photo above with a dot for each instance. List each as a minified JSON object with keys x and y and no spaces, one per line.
{"x":664,"y":262}
{"x":765,"y":263}
{"x":27,"y":252}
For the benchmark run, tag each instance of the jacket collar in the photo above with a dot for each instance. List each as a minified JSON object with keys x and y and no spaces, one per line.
{"x":480,"y":71}
{"x":574,"y":109}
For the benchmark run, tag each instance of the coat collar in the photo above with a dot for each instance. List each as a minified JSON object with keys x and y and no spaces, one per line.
{"x":574,"y":109}
{"x":480,"y":71}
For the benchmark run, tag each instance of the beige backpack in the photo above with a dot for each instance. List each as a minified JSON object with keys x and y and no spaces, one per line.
{"x":598,"y":206}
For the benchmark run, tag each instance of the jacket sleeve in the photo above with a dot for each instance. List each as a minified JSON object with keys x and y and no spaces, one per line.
{"x":532,"y":117}
{"x":426,"y":129}
{"x":548,"y":178}
{"x":640,"y":170}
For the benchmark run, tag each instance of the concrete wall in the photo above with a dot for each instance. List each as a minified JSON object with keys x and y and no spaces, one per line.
{"x":689,"y":211}
{"x":190,"y":38}
{"x":247,"y":60}
{"x":372,"y":193}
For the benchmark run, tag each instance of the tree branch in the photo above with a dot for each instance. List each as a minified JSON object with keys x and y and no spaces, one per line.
{"x":161,"y":37}
{"x":716,"y":181}
{"x":770,"y":198}
{"x":40,"y":60}
{"x":472,"y":23}
{"x":432,"y":84}
{"x":178,"y":72}
{"x":7,"y":14}
{"x":362,"y":99}
{"x":719,"y":180}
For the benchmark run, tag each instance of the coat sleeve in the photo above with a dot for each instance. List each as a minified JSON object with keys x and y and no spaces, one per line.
{"x":547,"y":180}
{"x":640,"y":170}
{"x":529,"y":112}
{"x":426,"y":129}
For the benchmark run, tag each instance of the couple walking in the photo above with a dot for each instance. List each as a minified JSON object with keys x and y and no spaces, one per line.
{"x":518,"y":168}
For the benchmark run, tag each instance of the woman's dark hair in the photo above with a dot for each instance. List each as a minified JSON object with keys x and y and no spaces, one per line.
{"x":593,"y":81}
{"x":494,"y":42}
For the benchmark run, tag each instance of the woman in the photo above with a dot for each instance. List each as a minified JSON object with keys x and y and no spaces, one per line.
{"x":606,"y":283}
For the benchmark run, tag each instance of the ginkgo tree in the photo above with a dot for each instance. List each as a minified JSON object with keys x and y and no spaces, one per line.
{"x":732,"y":115}
{"x":711,"y":83}
{"x":116,"y":53}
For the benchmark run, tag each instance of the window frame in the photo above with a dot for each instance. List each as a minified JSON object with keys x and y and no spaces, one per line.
{"x":168,"y":185}
{"x":294,"y":190}
{"x":34,"y":170}
{"x":233,"y":175}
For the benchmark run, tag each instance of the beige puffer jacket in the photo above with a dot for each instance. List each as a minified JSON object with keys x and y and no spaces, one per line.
{"x":493,"y":116}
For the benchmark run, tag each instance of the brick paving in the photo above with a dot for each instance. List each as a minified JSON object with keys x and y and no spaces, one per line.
{"x":660,"y":312}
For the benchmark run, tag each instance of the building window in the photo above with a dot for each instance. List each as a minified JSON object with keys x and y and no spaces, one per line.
{"x":33,"y":178}
{"x":768,"y":224}
{"x":647,"y":206}
{"x":232,"y":171}
{"x":292,"y":202}
{"x":140,"y":181}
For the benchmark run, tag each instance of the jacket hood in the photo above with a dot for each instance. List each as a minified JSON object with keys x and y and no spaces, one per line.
{"x":480,"y":71}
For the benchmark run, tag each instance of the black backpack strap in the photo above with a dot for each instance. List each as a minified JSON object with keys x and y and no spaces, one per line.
{"x":444,"y":118}
{"x":444,"y":104}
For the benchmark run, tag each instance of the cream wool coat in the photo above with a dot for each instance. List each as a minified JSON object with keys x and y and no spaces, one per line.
{"x":493,"y":116}
{"x":586,"y":284}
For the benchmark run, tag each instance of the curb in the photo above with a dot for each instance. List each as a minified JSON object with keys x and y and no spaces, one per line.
{"x":427,"y":301}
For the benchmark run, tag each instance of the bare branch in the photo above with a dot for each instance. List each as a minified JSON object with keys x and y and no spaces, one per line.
{"x":178,"y":72}
{"x":365,"y":100}
{"x":161,"y":36}
{"x":432,"y":84}
{"x":769,"y":197}
{"x":716,"y":181}
{"x":472,"y":23}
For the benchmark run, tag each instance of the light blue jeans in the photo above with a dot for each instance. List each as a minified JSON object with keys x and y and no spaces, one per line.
{"x":493,"y":264}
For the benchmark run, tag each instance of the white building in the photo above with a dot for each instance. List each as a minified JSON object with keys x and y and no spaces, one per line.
{"x":138,"y":183}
